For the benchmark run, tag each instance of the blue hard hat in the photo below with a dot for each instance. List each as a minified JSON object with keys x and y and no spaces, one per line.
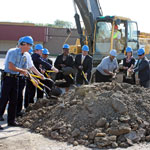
{"x":141,"y":51}
{"x":66,"y":46}
{"x":27,"y":39}
{"x":113,"y":52}
{"x":45,"y":51}
{"x":31,"y":50}
{"x":38,"y":47}
{"x":128,"y":49}
{"x":85,"y":48}
{"x":20,"y":40}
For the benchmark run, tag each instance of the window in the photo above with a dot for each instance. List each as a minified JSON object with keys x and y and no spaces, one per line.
{"x":103,"y":35}
{"x":132,"y":35}
{"x":132,"y":31}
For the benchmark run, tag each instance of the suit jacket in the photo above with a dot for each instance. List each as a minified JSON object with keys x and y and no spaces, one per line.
{"x":143,"y":69}
{"x":38,"y":60}
{"x":59,"y":60}
{"x":87,"y":63}
{"x":49,"y":61}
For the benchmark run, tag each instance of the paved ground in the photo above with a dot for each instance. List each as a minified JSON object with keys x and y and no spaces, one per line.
{"x":16,"y":138}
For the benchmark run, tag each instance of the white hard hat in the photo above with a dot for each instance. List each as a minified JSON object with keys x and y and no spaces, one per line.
{"x":113,"y":52}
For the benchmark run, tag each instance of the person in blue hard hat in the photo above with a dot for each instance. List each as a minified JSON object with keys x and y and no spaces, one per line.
{"x":143,"y":68}
{"x":22,"y":81}
{"x":45,"y":54}
{"x":105,"y":71}
{"x":83,"y":64}
{"x":15,"y":64}
{"x":62,"y":62}
{"x":39,"y":63}
{"x":128,"y":62}
{"x":54,"y":90}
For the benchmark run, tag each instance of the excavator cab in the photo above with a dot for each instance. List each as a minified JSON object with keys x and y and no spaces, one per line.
{"x":113,"y":32}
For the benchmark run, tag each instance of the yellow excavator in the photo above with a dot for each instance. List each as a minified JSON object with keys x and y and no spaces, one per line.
{"x":144,"y":40}
{"x":101,"y":31}
{"x":76,"y":49}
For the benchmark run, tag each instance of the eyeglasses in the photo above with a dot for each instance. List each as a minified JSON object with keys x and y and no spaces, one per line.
{"x":140,"y":55}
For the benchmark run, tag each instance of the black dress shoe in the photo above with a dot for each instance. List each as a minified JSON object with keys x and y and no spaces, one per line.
{"x":20,"y":114}
{"x":13,"y":124}
{"x":1,"y":128}
{"x":1,"y":118}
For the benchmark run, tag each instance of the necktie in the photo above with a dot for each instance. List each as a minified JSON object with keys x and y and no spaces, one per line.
{"x":82,"y":59}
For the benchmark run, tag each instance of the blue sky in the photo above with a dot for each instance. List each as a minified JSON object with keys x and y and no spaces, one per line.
{"x":47,"y":11}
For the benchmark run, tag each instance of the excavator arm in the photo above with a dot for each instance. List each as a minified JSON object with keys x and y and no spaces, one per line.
{"x":89,"y":10}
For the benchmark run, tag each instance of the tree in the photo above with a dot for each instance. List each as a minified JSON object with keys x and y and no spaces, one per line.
{"x":62,"y":24}
{"x":57,"y":24}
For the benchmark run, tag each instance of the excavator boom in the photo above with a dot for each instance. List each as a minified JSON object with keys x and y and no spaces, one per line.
{"x":89,"y":10}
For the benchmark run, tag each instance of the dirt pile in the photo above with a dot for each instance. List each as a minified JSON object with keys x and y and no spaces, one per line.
{"x":98,"y":115}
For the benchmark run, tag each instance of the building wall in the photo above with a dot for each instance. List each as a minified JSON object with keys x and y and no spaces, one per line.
{"x":6,"y":45}
{"x":14,"y":32}
{"x":56,"y":39}
{"x":51,"y":38}
{"x":11,"y":32}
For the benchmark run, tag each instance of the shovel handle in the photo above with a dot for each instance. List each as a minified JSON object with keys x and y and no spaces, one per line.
{"x":44,"y":86}
{"x":50,"y":71}
{"x":41,"y":83}
{"x":71,"y":76}
{"x":85,"y":77}
{"x":35,"y":76}
{"x":47,"y":75}
{"x":40,"y":88}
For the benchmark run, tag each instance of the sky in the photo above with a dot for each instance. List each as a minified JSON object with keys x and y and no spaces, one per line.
{"x":47,"y":11}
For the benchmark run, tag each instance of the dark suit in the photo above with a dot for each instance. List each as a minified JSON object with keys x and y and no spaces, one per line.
{"x":49,"y":61}
{"x":47,"y":74}
{"x":38,"y":60}
{"x":87,"y":67}
{"x":143,"y":70}
{"x":68,"y":62}
{"x":30,"y":88}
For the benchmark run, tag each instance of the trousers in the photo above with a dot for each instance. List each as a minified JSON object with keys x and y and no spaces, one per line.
{"x":102,"y":78}
{"x":20,"y":94}
{"x":9,"y":93}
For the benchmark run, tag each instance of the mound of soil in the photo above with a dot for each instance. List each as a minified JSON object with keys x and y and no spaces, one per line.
{"x":101,"y":115}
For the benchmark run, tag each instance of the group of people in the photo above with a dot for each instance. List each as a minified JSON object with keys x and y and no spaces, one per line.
{"x":22,"y":62}
{"x":107,"y":69}
{"x":82,"y":63}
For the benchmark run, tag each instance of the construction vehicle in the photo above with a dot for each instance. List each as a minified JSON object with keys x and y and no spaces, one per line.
{"x":76,"y":49}
{"x":100,"y":31}
{"x":144,"y":41}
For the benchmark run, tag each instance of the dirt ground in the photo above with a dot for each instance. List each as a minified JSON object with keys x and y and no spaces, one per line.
{"x":16,"y":138}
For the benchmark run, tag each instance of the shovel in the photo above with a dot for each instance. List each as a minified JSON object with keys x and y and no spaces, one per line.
{"x":54,"y":91}
{"x":33,"y":75}
{"x":36,"y":85}
{"x":67,"y":71}
{"x":86,"y":80}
